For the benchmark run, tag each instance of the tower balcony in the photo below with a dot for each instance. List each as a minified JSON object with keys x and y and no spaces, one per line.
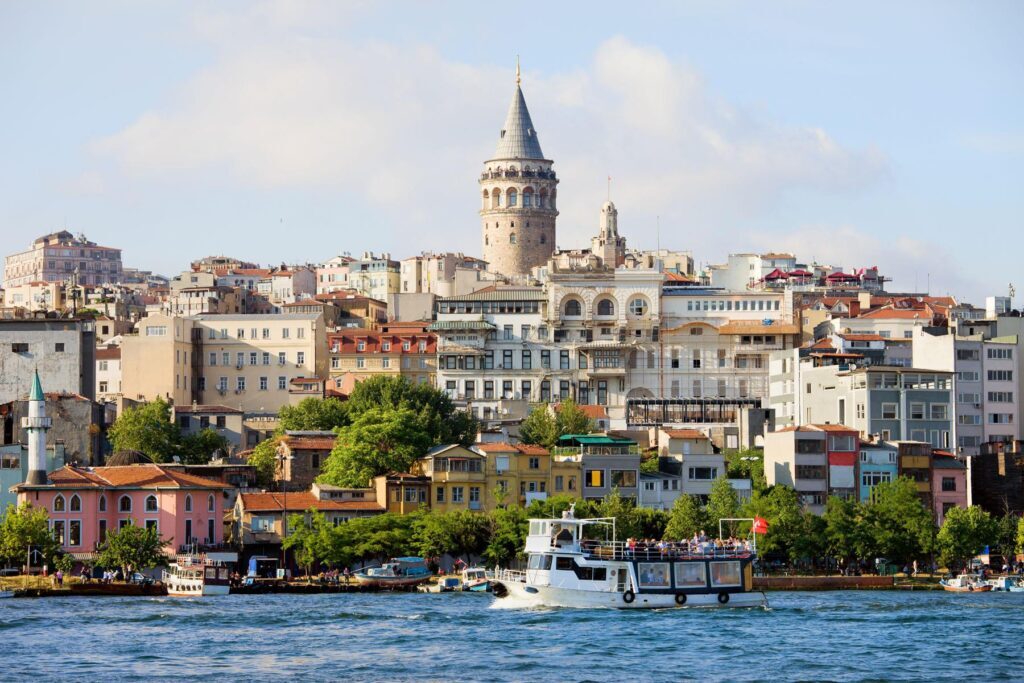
{"x":36,"y":422}
{"x":517,"y":175}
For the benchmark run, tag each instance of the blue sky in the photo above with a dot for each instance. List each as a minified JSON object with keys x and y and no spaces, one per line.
{"x":884,"y":134}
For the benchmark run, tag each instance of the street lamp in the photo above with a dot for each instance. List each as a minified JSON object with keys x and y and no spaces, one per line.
{"x":282,"y":458}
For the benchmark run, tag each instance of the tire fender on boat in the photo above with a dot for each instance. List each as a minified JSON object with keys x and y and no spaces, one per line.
{"x":723,"y":598}
{"x":499,"y":589}
{"x":680,"y":598}
{"x":628,"y":597}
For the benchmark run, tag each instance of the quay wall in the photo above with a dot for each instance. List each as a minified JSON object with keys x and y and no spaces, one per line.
{"x":823,"y":583}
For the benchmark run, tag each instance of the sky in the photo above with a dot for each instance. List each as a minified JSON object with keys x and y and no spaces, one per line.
{"x":856,"y":134}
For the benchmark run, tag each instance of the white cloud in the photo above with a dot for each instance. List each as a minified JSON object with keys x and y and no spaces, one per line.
{"x":285,"y":104}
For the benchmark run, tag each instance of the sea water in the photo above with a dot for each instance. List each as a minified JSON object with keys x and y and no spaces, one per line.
{"x":846,"y":636}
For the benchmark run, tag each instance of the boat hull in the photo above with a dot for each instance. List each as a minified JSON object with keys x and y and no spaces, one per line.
{"x":521,"y":595}
{"x":206,"y":590}
{"x":967,"y":589}
{"x":388,"y":582}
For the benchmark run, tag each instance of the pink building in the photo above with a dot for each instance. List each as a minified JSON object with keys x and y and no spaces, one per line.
{"x":949,"y":484}
{"x":85,"y":503}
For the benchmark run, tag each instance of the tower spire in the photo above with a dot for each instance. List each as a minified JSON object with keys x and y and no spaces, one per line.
{"x":519,"y":78}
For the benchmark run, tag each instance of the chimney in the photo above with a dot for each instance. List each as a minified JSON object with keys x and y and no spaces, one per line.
{"x":855,"y":308}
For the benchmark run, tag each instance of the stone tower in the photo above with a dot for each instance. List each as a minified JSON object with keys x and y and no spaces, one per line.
{"x":608,"y":244}
{"x":36,"y":425}
{"x":518,"y":196}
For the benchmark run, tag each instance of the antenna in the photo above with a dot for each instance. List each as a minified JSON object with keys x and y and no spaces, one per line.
{"x":609,"y":188}
{"x":518,"y":75}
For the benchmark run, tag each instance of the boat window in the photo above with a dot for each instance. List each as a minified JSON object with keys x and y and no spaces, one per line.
{"x":600,"y":574}
{"x":725,"y":574}
{"x":690,"y":575}
{"x":564,"y":563}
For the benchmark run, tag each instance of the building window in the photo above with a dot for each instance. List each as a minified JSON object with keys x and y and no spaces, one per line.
{"x":151,"y":505}
{"x":703,"y":473}
{"x":59,"y":503}
{"x":938,"y":411}
{"x":124,"y":504}
{"x":458,"y":494}
{"x":637,"y":307}
{"x":624,"y":478}
{"x":949,"y":484}
{"x":890,"y":411}
{"x":282,"y":382}
{"x":76,"y":504}
{"x":210,"y":503}
{"x":605,"y":307}
{"x":240,"y":383}
{"x":439,"y":495}
{"x":188,"y":503}
{"x":594,"y":478}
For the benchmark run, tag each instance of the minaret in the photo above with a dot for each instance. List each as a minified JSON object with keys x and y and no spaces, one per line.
{"x":36,"y":424}
{"x":518,"y":211}
{"x":608,"y":244}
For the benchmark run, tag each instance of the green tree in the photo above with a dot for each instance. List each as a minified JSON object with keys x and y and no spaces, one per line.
{"x":25,"y":526}
{"x":571,"y":419}
{"x":147,"y":428}
{"x":1006,"y":535}
{"x":649,"y":464}
{"x":64,"y":562}
{"x":686,"y":518}
{"x":747,"y":464}
{"x":457,"y":533}
{"x":539,"y":428}
{"x":508,"y":530}
{"x":314,"y":414}
{"x":264,"y":459}
{"x":437,"y":417}
{"x":310,"y":539}
{"x":381,"y":536}
{"x":1020,"y":535}
{"x":379,"y":441}
{"x":133,"y":548}
{"x":198,"y":448}
{"x":964,"y":533}
{"x":900,"y":526}
{"x":652,"y":523}
{"x":623,"y":510}
{"x":781,"y":506}
{"x":722,"y":503}
{"x":553,"y":507}
{"x":844,"y":531}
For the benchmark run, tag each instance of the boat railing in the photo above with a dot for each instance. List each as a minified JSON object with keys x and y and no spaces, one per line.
{"x":511,"y":575}
{"x":667,"y":550}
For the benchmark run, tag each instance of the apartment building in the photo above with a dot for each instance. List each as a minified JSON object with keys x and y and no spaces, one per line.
{"x":332,"y":275}
{"x":984,"y":380}
{"x":108,"y":373}
{"x":59,"y":255}
{"x":446,"y":274}
{"x":878,"y":463}
{"x":522,"y":473}
{"x":609,"y":463}
{"x":61,"y":350}
{"x":458,"y":477}
{"x":354,"y":355}
{"x":818,"y":460}
{"x":891,"y":403}
{"x":377,"y":277}
{"x":246,"y":361}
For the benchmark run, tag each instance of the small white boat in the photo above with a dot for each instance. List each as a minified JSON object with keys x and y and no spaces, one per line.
{"x":475,"y":579}
{"x":400,"y":572}
{"x":444,"y":584}
{"x":194,"y":575}
{"x":1007,"y":584}
{"x":965,"y":583}
{"x":567,"y":570}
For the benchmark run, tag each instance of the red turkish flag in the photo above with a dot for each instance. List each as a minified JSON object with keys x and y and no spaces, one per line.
{"x":760,"y":525}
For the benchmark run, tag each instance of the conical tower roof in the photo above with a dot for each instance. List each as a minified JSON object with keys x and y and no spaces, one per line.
{"x":518,"y":137}
{"x":37,"y":389}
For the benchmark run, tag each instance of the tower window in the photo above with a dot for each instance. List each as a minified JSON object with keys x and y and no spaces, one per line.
{"x":605,"y":307}
{"x":487,"y":241}
{"x":512,"y":238}
{"x":543,"y":238}
{"x":513,"y":198}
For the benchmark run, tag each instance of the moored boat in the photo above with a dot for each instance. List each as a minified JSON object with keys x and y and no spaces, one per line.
{"x":565,"y":569}
{"x":195,"y":575}
{"x":475,"y":579}
{"x":397,"y":572}
{"x":965,"y":583}
{"x":1007,"y":584}
{"x":444,"y":584}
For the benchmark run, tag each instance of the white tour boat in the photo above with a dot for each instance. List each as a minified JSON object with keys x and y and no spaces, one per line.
{"x":195,"y":574}
{"x":565,"y":569}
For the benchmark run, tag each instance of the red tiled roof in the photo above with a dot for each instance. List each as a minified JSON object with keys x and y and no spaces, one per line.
{"x":297,"y":502}
{"x":685,"y":434}
{"x":862,"y":337}
{"x":129,"y":476}
{"x":310,"y":443}
{"x":531,"y":449}
{"x":496,"y":447}
{"x":594,"y":412}
{"x":109,"y":353}
{"x":373,"y":342}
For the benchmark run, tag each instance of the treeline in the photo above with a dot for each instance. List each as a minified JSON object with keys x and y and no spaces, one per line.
{"x":148,"y":428}
{"x":895,"y":526}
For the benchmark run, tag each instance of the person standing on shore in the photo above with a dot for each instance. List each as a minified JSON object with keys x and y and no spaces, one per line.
{"x":60,"y":578}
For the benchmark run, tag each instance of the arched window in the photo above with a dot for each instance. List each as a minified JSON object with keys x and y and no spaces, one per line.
{"x":188,"y":503}
{"x":572,"y":307}
{"x":486,"y":197}
{"x":76,"y":503}
{"x":638,"y":306}
{"x":527,"y":198}
{"x":151,"y":504}
{"x":58,"y":503}
{"x":605,"y":307}
{"x":210,"y":503}
{"x":554,"y":194}
{"x":512,"y":238}
{"x":124,"y":504}
{"x":513,"y":197}
{"x":496,"y":199}
{"x":103,"y":503}
{"x":543,"y":238}
{"x":542,"y":200}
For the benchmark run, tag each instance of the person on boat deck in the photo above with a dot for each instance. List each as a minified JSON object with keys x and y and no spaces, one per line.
{"x":631,"y":545}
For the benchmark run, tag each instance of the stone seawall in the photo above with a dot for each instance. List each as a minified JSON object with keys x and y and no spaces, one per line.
{"x":823,"y":583}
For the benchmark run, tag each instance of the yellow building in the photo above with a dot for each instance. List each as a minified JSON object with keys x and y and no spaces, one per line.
{"x":458,"y":478}
{"x":519,"y":474}
{"x":402,"y":493}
